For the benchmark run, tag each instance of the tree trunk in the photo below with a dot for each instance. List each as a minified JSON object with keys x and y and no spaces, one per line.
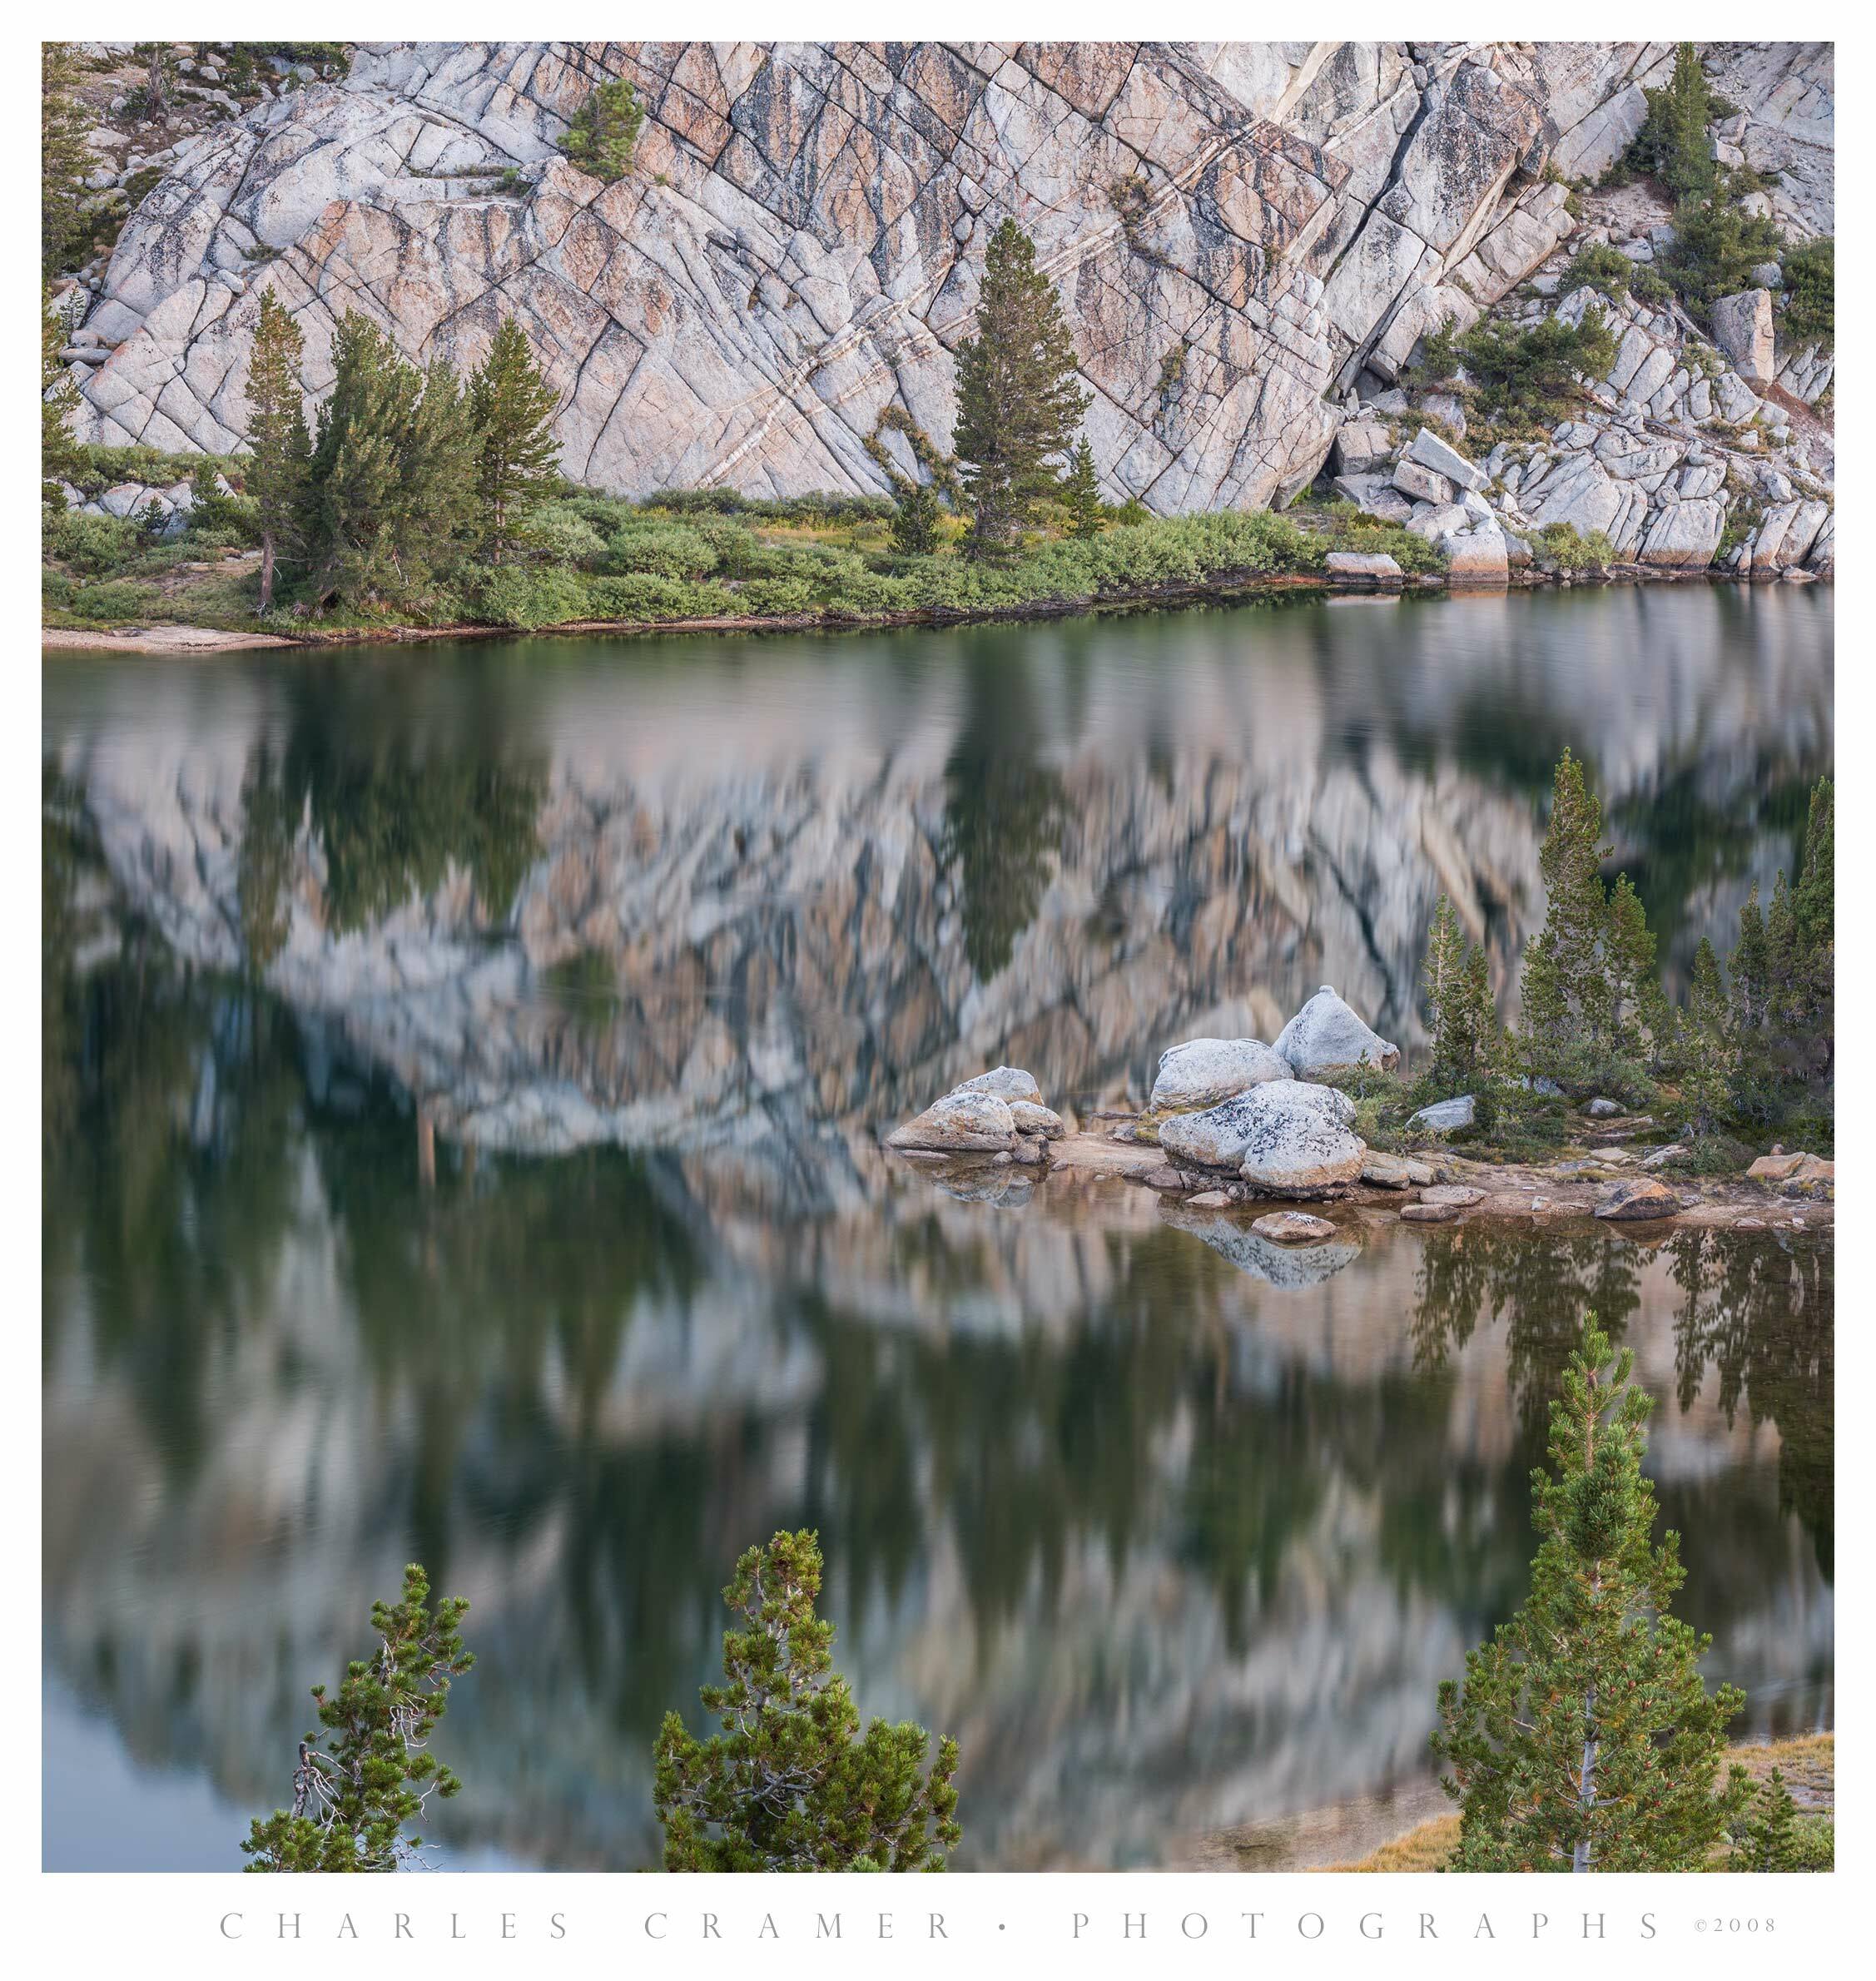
{"x":1586,"y":1792}
{"x":266,"y":569}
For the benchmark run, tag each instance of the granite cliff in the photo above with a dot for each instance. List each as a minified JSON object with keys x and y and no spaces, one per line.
{"x":1250,"y":238}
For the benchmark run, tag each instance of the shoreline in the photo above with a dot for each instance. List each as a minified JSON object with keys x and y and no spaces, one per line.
{"x":1564,"y":1191}
{"x":1228,"y":588}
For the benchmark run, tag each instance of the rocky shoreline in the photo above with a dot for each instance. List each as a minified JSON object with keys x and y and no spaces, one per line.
{"x":1254,"y":1142}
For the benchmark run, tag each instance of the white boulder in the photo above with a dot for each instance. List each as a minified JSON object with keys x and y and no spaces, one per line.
{"x":1326,"y":1036}
{"x":1202,"y":1072}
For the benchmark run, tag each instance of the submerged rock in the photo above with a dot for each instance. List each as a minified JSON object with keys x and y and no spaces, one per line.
{"x":1326,"y":1036}
{"x":962,"y":1122}
{"x":1202,"y":1072}
{"x":1291,"y":1268}
{"x":1293,"y":1228}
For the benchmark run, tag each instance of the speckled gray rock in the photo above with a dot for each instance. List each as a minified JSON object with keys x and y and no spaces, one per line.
{"x":1202,"y":1072}
{"x":1443,"y":1117}
{"x":1326,"y":1036}
{"x":1007,"y":1083}
{"x":1292,"y":1228}
{"x":961,"y":1123}
{"x":1223,"y":1137}
{"x":1033,"y":1119}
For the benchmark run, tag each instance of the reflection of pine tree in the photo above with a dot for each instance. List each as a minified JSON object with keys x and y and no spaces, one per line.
{"x":1246,"y":1498}
{"x":1005,"y":814}
{"x":1538,"y":1283}
{"x":1765,"y":1317}
{"x":390,"y":822}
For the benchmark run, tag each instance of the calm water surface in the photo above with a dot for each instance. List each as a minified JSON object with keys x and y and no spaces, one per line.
{"x":462,"y":1075}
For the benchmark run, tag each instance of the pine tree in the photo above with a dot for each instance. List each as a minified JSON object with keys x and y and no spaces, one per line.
{"x":392,"y":480}
{"x":1672,"y":142}
{"x":790,"y":1784}
{"x":1565,"y":1000}
{"x":1766,"y":1837}
{"x":353,"y":1794}
{"x":1781,"y":955}
{"x":603,"y":138}
{"x":1582,"y":1736}
{"x":1751,"y":968}
{"x":511,"y":407}
{"x":1082,"y":492}
{"x":915,"y":518}
{"x":65,"y":160}
{"x":1633,"y":988}
{"x":59,"y":398}
{"x":1705,"y":1048}
{"x":1813,"y":915}
{"x":279,"y":446}
{"x":1018,"y":401}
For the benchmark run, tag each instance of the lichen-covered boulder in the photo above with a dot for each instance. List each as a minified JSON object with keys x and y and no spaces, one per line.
{"x":1326,"y":1036}
{"x":961,"y":1124}
{"x":1007,"y":1083}
{"x":1202,"y":1072}
{"x":1032,"y":1118}
{"x":1300,"y":1152}
{"x":1221,"y":1137}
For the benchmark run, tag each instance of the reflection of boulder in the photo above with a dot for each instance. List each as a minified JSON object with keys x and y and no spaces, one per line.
{"x":1288,"y":1267}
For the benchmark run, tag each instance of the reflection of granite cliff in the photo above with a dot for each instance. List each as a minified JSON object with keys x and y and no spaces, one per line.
{"x":1159,"y":1563}
{"x":796,"y":923}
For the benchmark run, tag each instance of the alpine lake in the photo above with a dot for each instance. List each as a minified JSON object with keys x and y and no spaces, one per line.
{"x":464,"y":1068}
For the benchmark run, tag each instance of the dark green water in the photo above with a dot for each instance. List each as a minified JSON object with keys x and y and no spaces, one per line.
{"x":461,"y":1070}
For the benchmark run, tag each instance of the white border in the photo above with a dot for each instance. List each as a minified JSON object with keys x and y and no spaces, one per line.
{"x":158,"y":1926}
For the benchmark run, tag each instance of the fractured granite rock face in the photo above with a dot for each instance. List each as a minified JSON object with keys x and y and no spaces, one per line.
{"x":1236,"y":231}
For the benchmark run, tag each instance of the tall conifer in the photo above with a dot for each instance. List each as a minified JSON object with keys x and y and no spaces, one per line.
{"x":279,"y":446}
{"x":1565,"y":1000}
{"x":1582,"y":1736}
{"x":512,"y":407}
{"x":1018,"y":399}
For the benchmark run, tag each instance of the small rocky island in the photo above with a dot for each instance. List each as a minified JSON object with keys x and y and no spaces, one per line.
{"x":1255,"y":1147}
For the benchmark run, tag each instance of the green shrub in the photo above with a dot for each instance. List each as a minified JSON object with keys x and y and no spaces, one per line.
{"x":94,"y":546}
{"x":1530,"y":374}
{"x":1599,"y":266}
{"x":558,"y":534}
{"x":1561,"y":545}
{"x":603,"y":135}
{"x":661,"y":549}
{"x":526,"y":596}
{"x":1810,"y":280}
{"x":1715,"y":248}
